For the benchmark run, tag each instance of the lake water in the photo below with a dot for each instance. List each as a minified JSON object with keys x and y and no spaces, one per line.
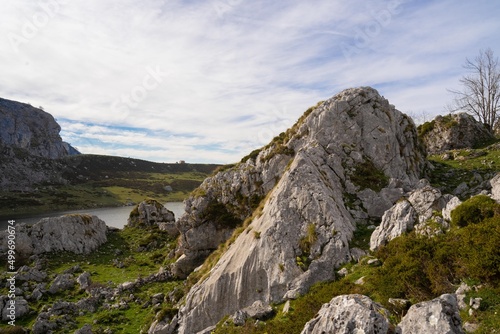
{"x":115,"y":217}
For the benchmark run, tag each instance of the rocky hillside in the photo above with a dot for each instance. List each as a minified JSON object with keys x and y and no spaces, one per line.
{"x":454,"y":131}
{"x":302,"y":197}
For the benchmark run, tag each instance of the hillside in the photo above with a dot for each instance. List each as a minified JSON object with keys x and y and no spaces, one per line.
{"x":340,"y":224}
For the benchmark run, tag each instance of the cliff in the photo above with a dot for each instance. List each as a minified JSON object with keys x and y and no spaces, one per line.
{"x":338,"y":168}
{"x":30,"y":147}
{"x":31,"y":129}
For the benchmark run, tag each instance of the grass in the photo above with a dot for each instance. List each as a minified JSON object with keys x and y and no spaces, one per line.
{"x":413,"y":267}
{"x":449,"y":173}
{"x":122,"y":246}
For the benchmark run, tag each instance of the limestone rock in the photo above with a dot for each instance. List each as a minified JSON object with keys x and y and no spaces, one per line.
{"x":454,"y":131}
{"x":19,"y":309}
{"x":84,"y":280}
{"x":354,"y":142}
{"x":31,"y":129}
{"x":151,"y":212}
{"x":426,"y":200}
{"x":80,"y":234}
{"x":440,"y":315}
{"x":349,"y":314}
{"x":495,"y":187}
{"x":450,"y":206}
{"x":397,"y":220}
{"x":62,"y":282}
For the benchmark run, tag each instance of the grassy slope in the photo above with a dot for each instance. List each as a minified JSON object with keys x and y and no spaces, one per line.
{"x":101,"y":265}
{"x":105,"y":181}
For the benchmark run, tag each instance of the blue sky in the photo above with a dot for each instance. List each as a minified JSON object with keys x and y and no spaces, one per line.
{"x":209,"y":81}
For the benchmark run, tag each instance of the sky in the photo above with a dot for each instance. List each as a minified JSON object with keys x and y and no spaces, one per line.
{"x":209,"y":81}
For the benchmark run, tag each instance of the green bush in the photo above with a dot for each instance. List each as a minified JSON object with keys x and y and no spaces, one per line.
{"x":474,"y":210}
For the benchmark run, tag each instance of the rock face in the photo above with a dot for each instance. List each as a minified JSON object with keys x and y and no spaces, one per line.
{"x":79,"y":234}
{"x":349,"y":314}
{"x":343,"y":163}
{"x":29,"y":147}
{"x":31,"y":129}
{"x":454,"y":131}
{"x":440,"y":315}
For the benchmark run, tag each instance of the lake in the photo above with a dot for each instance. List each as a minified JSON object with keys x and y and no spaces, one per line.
{"x":115,"y":217}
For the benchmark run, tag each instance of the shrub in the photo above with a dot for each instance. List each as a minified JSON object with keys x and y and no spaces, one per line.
{"x":474,"y":210}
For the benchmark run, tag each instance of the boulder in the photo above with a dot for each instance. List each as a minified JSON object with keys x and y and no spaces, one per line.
{"x":20,"y":309}
{"x":495,"y":187}
{"x":151,"y":212}
{"x":62,"y":282}
{"x":349,"y":314}
{"x":397,"y":220}
{"x":426,"y":201}
{"x":80,"y":234}
{"x":354,"y":142}
{"x":454,"y":131}
{"x":440,"y":315}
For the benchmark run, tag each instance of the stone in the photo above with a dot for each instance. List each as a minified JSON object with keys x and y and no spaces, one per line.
{"x":86,"y":329}
{"x":470,"y":327}
{"x":62,"y":282}
{"x":84,"y":280}
{"x":397,"y":220}
{"x":450,"y":206}
{"x":239,"y":318}
{"x":21,"y":309}
{"x":349,"y":314}
{"x":495,"y":187}
{"x":26,"y":273}
{"x":307,"y":184}
{"x":426,"y":201}
{"x":454,"y":131}
{"x":343,"y":272}
{"x":259,"y":310}
{"x":440,"y":315}
{"x":475,"y":303}
{"x":79,"y":233}
{"x":461,"y":294}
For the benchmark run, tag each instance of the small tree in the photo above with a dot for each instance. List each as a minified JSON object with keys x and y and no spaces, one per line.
{"x":480,"y":95}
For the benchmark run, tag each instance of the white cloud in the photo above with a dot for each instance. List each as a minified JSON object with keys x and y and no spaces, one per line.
{"x":233,"y":72}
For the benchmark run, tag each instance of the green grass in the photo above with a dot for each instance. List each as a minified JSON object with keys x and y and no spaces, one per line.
{"x":448,"y":174}
{"x":121,"y":246}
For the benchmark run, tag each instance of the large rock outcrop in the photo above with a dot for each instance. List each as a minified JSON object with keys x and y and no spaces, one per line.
{"x":31,"y":129}
{"x":30,"y":148}
{"x":454,"y":131}
{"x":343,"y":163}
{"x":349,"y":314}
{"x":80,"y":234}
{"x":151,"y":213}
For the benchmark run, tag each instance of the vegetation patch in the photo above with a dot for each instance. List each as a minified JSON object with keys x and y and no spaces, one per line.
{"x":474,"y":210}
{"x":413,"y":267}
{"x":366,"y":176}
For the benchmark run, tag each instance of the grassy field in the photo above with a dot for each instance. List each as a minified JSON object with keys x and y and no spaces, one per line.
{"x":104,"y":181}
{"x":115,"y":262}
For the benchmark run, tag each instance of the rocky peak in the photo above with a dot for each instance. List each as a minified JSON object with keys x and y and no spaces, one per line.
{"x":32,"y":129}
{"x":342,"y":164}
{"x":453,"y":131}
